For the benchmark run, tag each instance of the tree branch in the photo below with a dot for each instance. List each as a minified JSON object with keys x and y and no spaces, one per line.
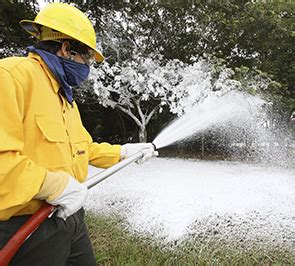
{"x":142,"y":116}
{"x":129,"y":113}
{"x":151,"y":114}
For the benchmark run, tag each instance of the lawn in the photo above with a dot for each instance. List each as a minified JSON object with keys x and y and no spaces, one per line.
{"x":115,"y":244}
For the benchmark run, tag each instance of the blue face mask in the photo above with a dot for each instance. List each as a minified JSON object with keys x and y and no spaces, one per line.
{"x":75,"y":72}
{"x":68,"y":72}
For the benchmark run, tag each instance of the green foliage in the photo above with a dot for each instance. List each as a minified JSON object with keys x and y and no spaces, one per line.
{"x":259,"y":36}
{"x":13,"y":39}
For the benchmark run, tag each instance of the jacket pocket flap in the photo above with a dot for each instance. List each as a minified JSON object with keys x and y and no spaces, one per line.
{"x":52,"y":130}
{"x":78,"y":135}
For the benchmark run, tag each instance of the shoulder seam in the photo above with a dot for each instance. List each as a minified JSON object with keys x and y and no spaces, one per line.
{"x":14,"y":78}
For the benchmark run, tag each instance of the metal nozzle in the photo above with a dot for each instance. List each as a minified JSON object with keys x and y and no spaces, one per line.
{"x":155,"y":148}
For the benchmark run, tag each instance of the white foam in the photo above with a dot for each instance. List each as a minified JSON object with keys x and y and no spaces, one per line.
{"x":165,"y":197}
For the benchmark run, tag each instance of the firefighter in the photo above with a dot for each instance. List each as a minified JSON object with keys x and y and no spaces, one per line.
{"x":44,"y":148}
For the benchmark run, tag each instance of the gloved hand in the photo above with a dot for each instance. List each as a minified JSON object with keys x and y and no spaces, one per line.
{"x":71,"y":199}
{"x":131,"y":148}
{"x":61,"y":189}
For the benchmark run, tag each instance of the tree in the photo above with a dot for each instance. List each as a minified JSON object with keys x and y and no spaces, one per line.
{"x":244,"y":33}
{"x":139,"y":88}
{"x":142,"y":87}
{"x":13,"y":39}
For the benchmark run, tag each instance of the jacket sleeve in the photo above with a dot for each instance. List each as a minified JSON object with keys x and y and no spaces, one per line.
{"x":103,"y":154}
{"x":20,"y":178}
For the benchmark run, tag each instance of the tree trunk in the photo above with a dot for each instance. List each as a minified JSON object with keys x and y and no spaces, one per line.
{"x":142,"y":134}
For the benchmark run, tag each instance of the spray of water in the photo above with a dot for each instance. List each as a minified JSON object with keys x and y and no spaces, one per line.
{"x":239,"y":121}
{"x":231,"y":107}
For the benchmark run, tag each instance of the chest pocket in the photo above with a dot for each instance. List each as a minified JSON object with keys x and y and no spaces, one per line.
{"x":52,"y":145}
{"x":77,"y":134}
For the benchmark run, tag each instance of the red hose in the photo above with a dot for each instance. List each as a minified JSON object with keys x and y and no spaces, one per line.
{"x":14,"y":243}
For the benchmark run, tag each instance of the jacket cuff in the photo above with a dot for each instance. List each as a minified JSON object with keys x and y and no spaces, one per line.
{"x":53,"y":186}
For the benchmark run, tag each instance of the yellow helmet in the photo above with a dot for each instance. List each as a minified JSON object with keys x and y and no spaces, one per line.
{"x":62,"y":21}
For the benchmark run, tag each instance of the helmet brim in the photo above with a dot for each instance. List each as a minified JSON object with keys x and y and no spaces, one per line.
{"x":98,"y":56}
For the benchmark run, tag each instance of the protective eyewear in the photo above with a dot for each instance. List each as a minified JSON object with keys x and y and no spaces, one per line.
{"x":87,"y":54}
{"x":88,"y":57}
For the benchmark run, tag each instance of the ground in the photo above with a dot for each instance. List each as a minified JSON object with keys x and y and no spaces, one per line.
{"x":179,"y":200}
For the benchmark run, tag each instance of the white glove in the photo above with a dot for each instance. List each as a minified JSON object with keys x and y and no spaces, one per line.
{"x":71,"y":199}
{"x":131,"y":148}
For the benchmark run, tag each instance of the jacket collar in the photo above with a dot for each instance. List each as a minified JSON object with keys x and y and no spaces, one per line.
{"x":54,"y":82}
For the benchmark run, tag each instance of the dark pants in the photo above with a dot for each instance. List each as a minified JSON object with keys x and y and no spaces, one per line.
{"x":55,"y":243}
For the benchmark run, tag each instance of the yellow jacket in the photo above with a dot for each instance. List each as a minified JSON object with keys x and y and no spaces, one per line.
{"x":40,"y":133}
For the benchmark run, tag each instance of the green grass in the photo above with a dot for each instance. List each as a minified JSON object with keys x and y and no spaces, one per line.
{"x":115,"y":245}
